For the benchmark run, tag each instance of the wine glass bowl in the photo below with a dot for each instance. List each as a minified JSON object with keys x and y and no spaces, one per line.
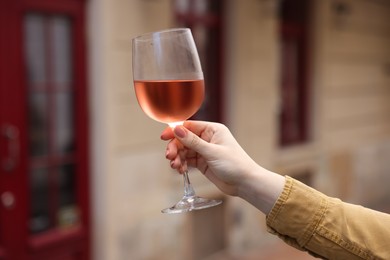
{"x":169,"y":86}
{"x":170,"y":101}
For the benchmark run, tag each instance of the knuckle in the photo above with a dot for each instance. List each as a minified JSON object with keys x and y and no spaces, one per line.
{"x":194,"y":141}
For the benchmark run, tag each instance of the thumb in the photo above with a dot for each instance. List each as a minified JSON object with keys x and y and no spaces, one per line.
{"x":189,"y":139}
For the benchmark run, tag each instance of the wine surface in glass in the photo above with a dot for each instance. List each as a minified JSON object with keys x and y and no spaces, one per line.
{"x":170,"y":101}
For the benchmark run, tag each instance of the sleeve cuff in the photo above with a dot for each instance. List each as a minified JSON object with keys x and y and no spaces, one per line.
{"x":296,"y":213}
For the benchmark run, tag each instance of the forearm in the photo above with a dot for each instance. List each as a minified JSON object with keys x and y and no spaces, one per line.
{"x":261,"y":188}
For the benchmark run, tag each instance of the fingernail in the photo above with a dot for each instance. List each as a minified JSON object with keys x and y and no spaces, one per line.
{"x":180,"y":131}
{"x":166,"y":153}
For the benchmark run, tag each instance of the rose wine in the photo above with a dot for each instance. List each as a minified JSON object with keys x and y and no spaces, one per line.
{"x":170,"y":101}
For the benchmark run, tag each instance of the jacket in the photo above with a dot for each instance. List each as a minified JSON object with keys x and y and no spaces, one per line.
{"x":327,"y":227}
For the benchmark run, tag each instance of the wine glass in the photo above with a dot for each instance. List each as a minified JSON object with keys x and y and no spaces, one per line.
{"x":169,"y":85}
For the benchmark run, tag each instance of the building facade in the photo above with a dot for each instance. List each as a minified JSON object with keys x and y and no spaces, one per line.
{"x":305,"y":89}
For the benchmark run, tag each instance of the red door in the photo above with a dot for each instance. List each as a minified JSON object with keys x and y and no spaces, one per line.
{"x":44,"y":212}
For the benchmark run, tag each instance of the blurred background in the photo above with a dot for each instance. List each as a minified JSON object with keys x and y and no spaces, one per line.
{"x":304,"y":85}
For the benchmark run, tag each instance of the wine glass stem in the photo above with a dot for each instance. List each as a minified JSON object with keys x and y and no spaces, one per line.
{"x":188,"y":190}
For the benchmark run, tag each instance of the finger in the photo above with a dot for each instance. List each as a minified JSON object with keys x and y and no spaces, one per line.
{"x":176,"y":163}
{"x":183,"y":154}
{"x":197,"y":127}
{"x":189,"y":139}
{"x":192,"y":162}
{"x":195,"y":162}
{"x":172,"y":149}
{"x":167,"y":134}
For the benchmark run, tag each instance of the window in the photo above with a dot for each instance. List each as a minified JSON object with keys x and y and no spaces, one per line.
{"x":294,"y":116}
{"x":51,"y":118}
{"x":204,"y":18}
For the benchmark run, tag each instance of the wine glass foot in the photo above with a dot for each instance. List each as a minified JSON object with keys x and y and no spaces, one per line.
{"x":190,"y":203}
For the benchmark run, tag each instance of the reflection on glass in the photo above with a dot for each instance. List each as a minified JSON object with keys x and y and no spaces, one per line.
{"x":66,"y":183}
{"x":61,"y":51}
{"x":63,"y":123}
{"x":201,"y":6}
{"x":38,"y":121}
{"x":290,"y":69}
{"x":182,"y":5}
{"x":39,"y":200}
{"x":35,"y":49}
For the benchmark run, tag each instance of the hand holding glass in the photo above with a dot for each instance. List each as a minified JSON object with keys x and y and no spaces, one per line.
{"x":169,"y":86}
